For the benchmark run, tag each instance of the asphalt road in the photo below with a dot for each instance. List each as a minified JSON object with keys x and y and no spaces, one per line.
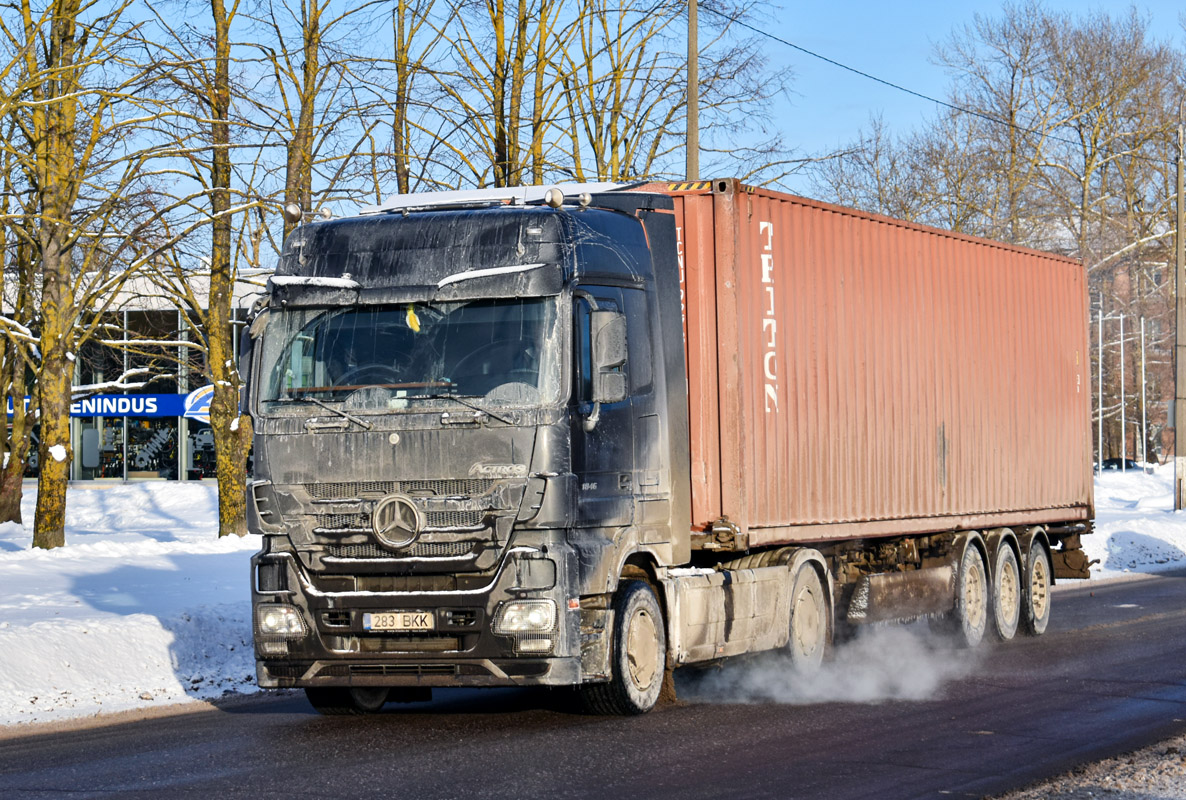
{"x":1108,"y":677}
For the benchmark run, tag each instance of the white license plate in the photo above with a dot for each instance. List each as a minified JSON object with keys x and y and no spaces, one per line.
{"x":399,"y":621}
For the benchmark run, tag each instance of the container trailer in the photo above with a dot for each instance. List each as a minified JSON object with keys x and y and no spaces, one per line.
{"x":584,"y":435}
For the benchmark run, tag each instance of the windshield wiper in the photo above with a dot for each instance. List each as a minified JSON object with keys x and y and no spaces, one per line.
{"x":366,"y":425}
{"x":467,"y":404}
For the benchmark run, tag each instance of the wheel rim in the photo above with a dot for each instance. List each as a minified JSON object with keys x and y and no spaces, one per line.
{"x":1009,"y":591}
{"x":806,"y":629}
{"x":975,"y":595}
{"x":1039,"y":587}
{"x":642,"y":656}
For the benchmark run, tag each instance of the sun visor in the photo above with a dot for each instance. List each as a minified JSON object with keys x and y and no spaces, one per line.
{"x":303,"y":290}
{"x":519,"y":280}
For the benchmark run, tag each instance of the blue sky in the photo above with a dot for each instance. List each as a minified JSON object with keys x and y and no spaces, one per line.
{"x":894,"y":41}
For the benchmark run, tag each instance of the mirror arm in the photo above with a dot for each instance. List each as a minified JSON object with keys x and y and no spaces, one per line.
{"x":590,"y":421}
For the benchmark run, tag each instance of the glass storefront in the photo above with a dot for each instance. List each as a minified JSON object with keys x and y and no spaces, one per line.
{"x":141,"y":433}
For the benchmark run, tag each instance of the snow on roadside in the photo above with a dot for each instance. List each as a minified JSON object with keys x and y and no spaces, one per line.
{"x":144,"y":605}
{"x":1136,"y":528}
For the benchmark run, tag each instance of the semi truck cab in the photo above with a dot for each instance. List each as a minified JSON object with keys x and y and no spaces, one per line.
{"x":469,"y":423}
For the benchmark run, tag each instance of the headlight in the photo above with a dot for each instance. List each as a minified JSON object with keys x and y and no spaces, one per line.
{"x":273,"y":619}
{"x":525,"y":616}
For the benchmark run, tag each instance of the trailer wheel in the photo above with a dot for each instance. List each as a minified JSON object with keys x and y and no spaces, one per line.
{"x":639,"y":655}
{"x":1035,"y":594}
{"x":809,"y":621}
{"x":970,"y":616}
{"x":1006,"y":593}
{"x":338,"y":700}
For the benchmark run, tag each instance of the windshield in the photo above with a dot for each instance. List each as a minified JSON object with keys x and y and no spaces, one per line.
{"x":391,"y":357}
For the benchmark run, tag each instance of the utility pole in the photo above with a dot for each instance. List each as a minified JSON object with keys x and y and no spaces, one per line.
{"x":1144,"y":418}
{"x":1123,"y":402}
{"x":1099,"y":385}
{"x":693,"y":144}
{"x":1180,"y":335}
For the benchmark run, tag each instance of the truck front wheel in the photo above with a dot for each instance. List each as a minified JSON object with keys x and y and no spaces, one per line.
{"x":334,"y":700}
{"x":639,"y":655}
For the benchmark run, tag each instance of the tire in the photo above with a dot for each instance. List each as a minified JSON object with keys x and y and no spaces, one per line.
{"x":1035,"y":595}
{"x":969,"y":618}
{"x":809,"y":621}
{"x":340,"y":700}
{"x":1006,"y":593}
{"x":639,"y":655}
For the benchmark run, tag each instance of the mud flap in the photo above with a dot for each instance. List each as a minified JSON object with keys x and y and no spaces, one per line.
{"x":597,"y":625}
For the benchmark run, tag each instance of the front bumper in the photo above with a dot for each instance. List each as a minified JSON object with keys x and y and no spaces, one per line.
{"x":461,"y":649}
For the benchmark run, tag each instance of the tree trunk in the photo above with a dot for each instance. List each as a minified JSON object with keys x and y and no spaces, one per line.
{"x":232,"y":433}
{"x":399,"y":123}
{"x":56,"y":159}
{"x":12,"y":474}
{"x":53,"y":392}
{"x":11,"y":492}
{"x":232,"y":441}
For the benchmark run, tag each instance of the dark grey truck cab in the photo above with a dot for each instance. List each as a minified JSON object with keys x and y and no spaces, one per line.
{"x":470,"y":440}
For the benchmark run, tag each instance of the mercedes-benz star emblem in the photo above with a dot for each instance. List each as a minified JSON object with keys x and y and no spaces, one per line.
{"x":396,"y":521}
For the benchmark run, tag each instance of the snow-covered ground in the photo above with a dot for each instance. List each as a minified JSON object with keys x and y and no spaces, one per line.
{"x":1136,"y":529}
{"x":146,"y":606}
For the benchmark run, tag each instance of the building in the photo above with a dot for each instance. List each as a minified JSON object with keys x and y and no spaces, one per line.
{"x":160,"y":430}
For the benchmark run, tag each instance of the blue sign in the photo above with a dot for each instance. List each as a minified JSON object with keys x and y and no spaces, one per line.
{"x":131,"y":405}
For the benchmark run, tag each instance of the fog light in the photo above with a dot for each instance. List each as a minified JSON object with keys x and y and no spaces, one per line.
{"x":533,"y":645}
{"x":273,"y":619}
{"x":525,"y":616}
{"x":275,"y":647}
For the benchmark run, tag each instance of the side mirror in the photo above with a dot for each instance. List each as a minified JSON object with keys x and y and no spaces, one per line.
{"x":247,"y":342}
{"x":609,"y":353}
{"x":608,"y":336}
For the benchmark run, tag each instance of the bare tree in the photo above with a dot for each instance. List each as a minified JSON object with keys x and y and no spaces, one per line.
{"x":202,"y":141}
{"x":1061,"y":138}
{"x":76,"y":126}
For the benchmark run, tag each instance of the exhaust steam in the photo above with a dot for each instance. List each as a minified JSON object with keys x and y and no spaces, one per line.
{"x":883,"y":662}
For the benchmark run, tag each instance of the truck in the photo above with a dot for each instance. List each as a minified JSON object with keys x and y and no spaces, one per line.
{"x":583,"y":435}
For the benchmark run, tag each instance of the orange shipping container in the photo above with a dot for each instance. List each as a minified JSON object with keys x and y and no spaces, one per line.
{"x":854,"y":375}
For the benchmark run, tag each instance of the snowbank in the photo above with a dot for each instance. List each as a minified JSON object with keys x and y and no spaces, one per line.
{"x":145,"y":605}
{"x":1136,"y":528}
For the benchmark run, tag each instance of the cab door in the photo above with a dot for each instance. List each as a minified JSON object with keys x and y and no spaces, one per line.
{"x":603,"y":457}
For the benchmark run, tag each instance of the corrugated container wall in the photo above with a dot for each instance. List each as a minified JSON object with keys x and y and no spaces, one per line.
{"x":854,"y":375}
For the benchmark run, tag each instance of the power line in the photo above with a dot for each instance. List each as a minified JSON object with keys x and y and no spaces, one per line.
{"x":961,"y":109}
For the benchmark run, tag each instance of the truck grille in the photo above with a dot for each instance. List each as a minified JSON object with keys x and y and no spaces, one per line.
{"x":432,"y":519}
{"x":344,"y":522}
{"x":418,"y":550}
{"x":463,"y":487}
